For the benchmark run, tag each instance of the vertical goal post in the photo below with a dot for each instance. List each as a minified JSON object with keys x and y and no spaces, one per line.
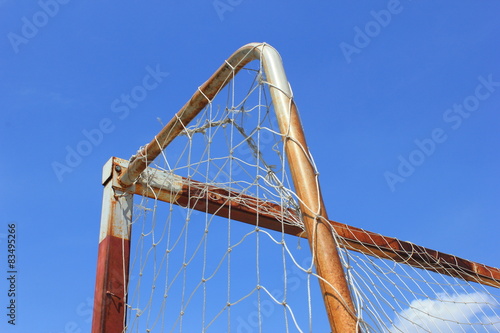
{"x":123,"y":179}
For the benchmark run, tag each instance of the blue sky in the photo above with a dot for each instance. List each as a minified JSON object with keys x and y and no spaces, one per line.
{"x":400,"y":111}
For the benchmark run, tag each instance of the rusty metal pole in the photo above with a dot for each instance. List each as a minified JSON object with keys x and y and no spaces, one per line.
{"x":113,"y":256}
{"x":336,"y":293}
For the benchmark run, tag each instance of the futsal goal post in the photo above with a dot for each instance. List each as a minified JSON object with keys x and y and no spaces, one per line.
{"x":173,"y":255}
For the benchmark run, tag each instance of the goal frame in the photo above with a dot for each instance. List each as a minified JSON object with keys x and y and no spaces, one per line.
{"x":115,"y":224}
{"x":120,"y":180}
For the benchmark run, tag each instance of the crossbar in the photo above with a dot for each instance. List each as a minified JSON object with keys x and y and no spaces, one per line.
{"x":244,"y":208}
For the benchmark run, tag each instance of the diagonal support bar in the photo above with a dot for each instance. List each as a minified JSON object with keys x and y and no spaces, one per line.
{"x":188,"y":112}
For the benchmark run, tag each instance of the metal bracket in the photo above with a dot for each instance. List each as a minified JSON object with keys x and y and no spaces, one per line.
{"x":112,"y":170}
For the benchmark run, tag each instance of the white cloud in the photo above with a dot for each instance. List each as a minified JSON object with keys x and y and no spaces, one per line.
{"x":475,"y":312}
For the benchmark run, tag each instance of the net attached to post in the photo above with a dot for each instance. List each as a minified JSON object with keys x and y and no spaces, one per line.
{"x":216,"y":249}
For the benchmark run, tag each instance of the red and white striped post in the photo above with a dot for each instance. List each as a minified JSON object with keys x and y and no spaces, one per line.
{"x":113,"y":254}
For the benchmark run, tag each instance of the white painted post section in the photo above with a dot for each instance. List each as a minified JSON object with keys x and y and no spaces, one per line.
{"x":113,"y":254}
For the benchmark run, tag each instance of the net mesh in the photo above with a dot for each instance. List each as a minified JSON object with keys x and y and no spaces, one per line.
{"x":193,"y":270}
{"x":395,"y":297}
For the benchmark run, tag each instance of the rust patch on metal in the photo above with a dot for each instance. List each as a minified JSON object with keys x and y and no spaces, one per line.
{"x":109,"y":298}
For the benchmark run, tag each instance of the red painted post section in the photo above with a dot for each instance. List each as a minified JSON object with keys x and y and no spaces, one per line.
{"x":113,"y":258}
